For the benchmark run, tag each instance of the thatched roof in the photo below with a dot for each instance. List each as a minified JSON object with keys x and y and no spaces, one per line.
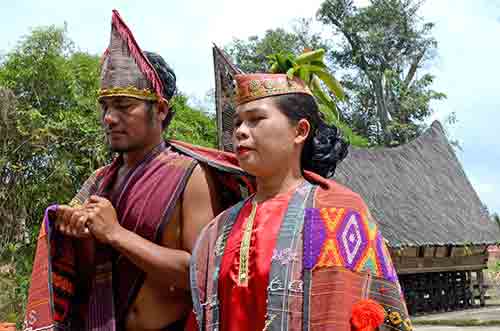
{"x":419,"y":193}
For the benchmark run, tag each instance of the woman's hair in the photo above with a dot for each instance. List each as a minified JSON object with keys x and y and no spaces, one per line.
{"x":168,"y":79}
{"x":324,"y":147}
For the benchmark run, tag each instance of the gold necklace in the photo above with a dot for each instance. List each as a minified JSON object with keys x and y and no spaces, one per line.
{"x":245,"y":246}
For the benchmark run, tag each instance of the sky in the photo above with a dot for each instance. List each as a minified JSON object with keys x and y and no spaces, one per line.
{"x":467,"y":67}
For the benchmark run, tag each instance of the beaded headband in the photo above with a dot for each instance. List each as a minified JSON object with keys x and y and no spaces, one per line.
{"x":257,"y":86}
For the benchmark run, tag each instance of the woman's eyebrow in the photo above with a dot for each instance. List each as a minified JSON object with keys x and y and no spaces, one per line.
{"x":250,"y":110}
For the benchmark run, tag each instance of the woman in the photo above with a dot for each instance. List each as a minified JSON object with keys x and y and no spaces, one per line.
{"x":302,"y":253}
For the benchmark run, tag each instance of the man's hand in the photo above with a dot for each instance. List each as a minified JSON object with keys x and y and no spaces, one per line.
{"x":102,"y":220}
{"x":71,"y":221}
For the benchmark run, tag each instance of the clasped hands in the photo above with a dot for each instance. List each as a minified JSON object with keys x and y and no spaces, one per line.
{"x":96,"y":218}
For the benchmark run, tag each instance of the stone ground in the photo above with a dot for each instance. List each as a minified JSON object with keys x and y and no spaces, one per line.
{"x":489,"y":313}
{"x":455,"y":328}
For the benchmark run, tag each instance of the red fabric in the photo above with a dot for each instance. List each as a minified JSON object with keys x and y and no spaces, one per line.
{"x":244,"y":308}
{"x":191,"y":324}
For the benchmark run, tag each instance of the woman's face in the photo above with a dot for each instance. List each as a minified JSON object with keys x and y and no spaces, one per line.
{"x":264,"y":139}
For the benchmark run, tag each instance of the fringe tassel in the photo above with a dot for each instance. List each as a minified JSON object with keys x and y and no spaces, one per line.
{"x":103,"y":57}
{"x":144,"y":65}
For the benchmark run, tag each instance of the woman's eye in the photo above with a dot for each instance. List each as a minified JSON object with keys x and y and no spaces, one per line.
{"x":257,"y":119}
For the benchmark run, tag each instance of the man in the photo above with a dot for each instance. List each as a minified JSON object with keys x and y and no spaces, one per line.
{"x":118,"y":257}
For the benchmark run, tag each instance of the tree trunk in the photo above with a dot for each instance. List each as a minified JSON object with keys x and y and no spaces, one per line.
{"x":382,"y":110}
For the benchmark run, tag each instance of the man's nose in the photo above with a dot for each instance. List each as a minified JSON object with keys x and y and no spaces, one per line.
{"x":110,"y":117}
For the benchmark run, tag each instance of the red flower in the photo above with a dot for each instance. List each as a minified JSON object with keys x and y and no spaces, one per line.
{"x":367,"y":315}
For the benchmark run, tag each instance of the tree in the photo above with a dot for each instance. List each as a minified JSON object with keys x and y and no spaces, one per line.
{"x":251,"y":55}
{"x":56,"y":130}
{"x":192,"y":125}
{"x":383,"y":49}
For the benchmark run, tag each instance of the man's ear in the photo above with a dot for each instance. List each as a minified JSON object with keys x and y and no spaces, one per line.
{"x":161,"y":110}
{"x":302,"y":131}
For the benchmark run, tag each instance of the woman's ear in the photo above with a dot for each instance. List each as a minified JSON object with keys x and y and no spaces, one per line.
{"x":302,"y":131}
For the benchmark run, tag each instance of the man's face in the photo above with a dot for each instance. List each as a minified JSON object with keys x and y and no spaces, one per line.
{"x":129,"y":123}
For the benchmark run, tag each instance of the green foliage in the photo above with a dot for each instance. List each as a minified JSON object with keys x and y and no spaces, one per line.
{"x":191,"y":125}
{"x":251,"y":55}
{"x":56,"y":132}
{"x":383,"y":48}
{"x":310,"y":68}
{"x":353,"y":138}
{"x":16,"y":262}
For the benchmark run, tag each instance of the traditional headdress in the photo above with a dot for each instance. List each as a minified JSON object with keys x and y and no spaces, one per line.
{"x":127,"y":71}
{"x":251,"y":87}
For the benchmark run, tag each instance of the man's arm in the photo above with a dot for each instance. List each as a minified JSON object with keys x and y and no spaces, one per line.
{"x":164,"y":265}
{"x":200,"y":200}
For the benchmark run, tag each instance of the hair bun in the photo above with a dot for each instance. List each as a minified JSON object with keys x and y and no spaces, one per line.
{"x":329,"y":148}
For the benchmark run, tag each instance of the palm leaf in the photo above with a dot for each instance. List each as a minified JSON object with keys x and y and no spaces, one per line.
{"x":328,"y":79}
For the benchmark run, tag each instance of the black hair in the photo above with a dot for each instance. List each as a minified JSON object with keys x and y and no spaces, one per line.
{"x":324,"y":147}
{"x":168,"y":79}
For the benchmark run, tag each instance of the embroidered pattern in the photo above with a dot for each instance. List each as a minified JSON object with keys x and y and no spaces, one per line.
{"x":269,"y":320}
{"x":345,"y":238}
{"x":245,"y":247}
{"x":130,"y":91}
{"x":212,"y":301}
{"x":219,"y":246}
{"x":397,"y":321}
{"x":276,"y":285}
{"x":285,"y":256}
{"x":255,"y":86}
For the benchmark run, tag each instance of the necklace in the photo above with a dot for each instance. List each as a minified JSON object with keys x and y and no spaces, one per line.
{"x":245,"y":246}
{"x":246,"y":240}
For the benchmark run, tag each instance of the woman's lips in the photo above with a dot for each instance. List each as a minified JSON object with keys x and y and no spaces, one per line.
{"x":243,"y":150}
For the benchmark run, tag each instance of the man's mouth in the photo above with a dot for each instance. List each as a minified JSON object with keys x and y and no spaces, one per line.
{"x":114,"y":133}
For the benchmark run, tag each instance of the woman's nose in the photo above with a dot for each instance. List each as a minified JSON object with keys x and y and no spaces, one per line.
{"x":241,"y":132}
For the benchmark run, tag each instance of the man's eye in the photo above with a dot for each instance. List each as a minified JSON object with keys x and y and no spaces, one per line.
{"x":123,"y":107}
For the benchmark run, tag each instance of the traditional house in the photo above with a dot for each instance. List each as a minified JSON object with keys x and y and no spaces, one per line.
{"x":436,"y":227}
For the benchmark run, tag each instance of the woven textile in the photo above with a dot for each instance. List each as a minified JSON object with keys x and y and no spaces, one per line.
{"x":344,"y":237}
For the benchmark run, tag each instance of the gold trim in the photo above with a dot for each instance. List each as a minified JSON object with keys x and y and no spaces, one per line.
{"x":130,"y":91}
{"x":257,"y":91}
{"x":245,"y":247}
{"x":75,"y":204}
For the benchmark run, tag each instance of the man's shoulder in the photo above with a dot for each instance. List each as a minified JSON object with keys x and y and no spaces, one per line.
{"x":174,"y":158}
